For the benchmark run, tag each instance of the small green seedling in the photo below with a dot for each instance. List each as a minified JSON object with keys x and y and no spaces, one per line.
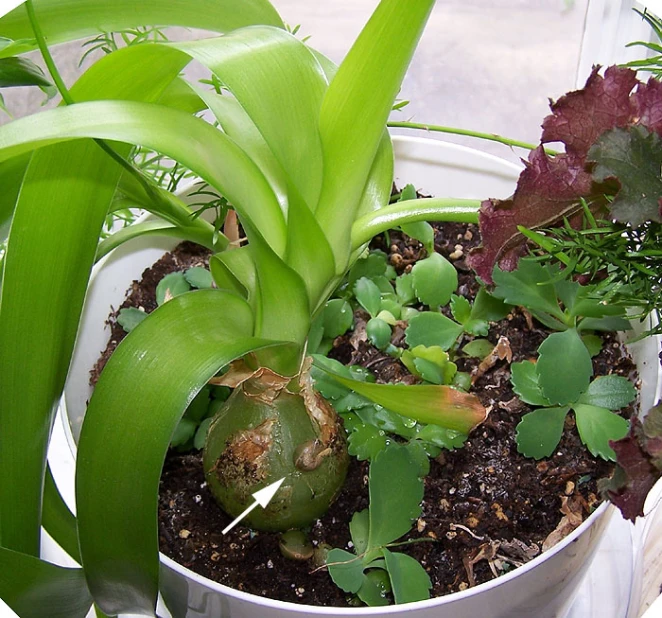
{"x":539,"y":432}
{"x":373,"y":570}
{"x":555,"y":301}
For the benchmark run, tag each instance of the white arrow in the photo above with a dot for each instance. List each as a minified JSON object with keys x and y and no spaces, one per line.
{"x":262,"y":497}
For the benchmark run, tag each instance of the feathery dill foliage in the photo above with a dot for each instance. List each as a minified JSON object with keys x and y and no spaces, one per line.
{"x":625,"y":262}
{"x":652,"y":64}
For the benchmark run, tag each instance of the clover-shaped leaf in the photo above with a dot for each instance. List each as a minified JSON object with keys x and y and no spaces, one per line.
{"x":365,"y":441}
{"x":478,"y":348}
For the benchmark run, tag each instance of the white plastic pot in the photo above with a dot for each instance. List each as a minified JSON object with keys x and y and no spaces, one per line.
{"x":543,"y":588}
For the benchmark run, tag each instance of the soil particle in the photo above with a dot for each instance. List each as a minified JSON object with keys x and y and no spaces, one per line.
{"x":487,"y":509}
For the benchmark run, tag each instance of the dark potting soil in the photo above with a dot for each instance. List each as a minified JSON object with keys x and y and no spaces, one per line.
{"x":487,"y":509}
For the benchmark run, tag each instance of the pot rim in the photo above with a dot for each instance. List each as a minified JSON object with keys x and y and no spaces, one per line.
{"x":605,"y":509}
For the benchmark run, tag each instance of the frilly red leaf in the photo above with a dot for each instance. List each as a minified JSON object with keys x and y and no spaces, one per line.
{"x":551,"y":187}
{"x":638,"y":459}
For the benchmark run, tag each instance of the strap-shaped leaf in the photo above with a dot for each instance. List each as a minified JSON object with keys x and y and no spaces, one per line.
{"x":234,"y":120}
{"x":362,"y":95}
{"x":58,"y":520}
{"x":439,"y":405}
{"x":12,"y":173}
{"x":34,"y":588}
{"x":280,"y":84}
{"x":234,"y":270}
{"x":40,"y":303}
{"x":409,"y":211}
{"x":67,"y":20}
{"x":377,"y":191}
{"x":197,"y":145}
{"x":142,"y":393}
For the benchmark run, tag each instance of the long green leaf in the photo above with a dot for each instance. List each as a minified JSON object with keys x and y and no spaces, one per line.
{"x":168,"y":358}
{"x":58,"y":520}
{"x":409,"y":211}
{"x":34,"y":588}
{"x":280,"y":84}
{"x":234,"y":121}
{"x":197,"y":145}
{"x":362,"y":95}
{"x":440,"y":405}
{"x":67,"y":20}
{"x":41,"y":298}
{"x":12,"y":173}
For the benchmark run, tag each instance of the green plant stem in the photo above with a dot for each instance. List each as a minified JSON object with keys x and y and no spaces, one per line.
{"x":410,"y":211}
{"x":492,"y":137}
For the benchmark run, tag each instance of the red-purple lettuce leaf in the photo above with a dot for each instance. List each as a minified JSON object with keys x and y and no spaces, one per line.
{"x":639,"y":464}
{"x":551,"y":187}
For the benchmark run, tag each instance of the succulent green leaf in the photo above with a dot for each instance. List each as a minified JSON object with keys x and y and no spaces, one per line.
{"x":396,"y":492}
{"x":378,"y":332}
{"x":597,"y":426}
{"x":564,"y":367}
{"x":129,"y":317}
{"x":173,"y":354}
{"x":376,"y":585}
{"x":201,"y":434}
{"x":393,"y":308}
{"x":184,"y":432}
{"x":359,"y":530}
{"x":593,"y":344}
{"x":368,"y":295}
{"x":366,"y":441}
{"x":611,"y":391}
{"x":371,"y":266}
{"x":524,"y":377}
{"x":478,"y":348}
{"x":337,"y":317}
{"x":409,"y":580}
{"x":430,"y":363}
{"x":608,"y":323}
{"x":488,"y":307}
{"x":435,"y":280}
{"x":443,"y":438}
{"x":421,"y":231}
{"x":173,"y":284}
{"x":199,"y":277}
{"x":460,"y":309}
{"x":68,"y":20}
{"x":35,"y":588}
{"x":540,"y":431}
{"x":430,"y":328}
{"x":404,"y":288}
{"x":346,"y":570}
{"x":529,"y":286}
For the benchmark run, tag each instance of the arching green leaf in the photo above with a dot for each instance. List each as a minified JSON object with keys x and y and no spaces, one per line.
{"x":168,"y":358}
{"x":67,"y":20}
